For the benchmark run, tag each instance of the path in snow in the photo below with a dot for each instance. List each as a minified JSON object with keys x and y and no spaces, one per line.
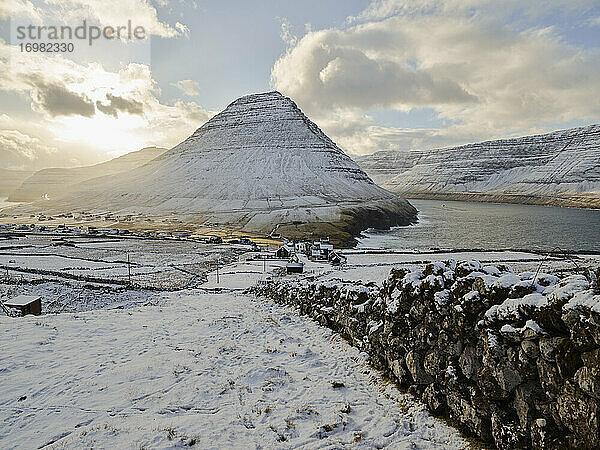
{"x":214,"y":370}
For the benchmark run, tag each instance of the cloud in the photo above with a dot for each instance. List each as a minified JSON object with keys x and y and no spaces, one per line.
{"x":56,"y":99}
{"x":478,"y":9}
{"x":20,"y":151}
{"x":116,"y":104}
{"x":19,"y":8}
{"x":182,"y":29}
{"x":361,"y":68}
{"x":287,"y":35}
{"x":63,"y":95}
{"x":188,"y":87}
{"x":118,"y":12}
{"x":482,"y":77}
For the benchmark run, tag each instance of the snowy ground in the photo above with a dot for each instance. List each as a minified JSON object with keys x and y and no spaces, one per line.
{"x":205,"y":365}
{"x":163,"y":264}
{"x":213,"y":370}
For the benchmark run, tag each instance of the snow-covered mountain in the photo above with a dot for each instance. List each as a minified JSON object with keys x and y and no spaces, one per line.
{"x":54,"y":183}
{"x":559,"y":168}
{"x":258,"y":165}
{"x":386,"y":164}
{"x":11,"y":179}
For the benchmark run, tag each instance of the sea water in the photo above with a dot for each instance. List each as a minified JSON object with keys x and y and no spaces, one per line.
{"x":492,"y":226}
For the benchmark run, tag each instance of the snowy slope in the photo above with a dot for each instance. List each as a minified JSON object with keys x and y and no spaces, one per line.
{"x":560,"y":168}
{"x":386,"y":164}
{"x":56,"y":182}
{"x":259,"y":163}
{"x":208,"y":370}
{"x":11,"y":179}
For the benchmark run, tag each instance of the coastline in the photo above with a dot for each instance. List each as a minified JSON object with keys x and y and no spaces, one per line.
{"x":582,"y":201}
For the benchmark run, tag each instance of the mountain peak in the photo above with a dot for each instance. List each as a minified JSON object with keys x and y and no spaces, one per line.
{"x":280,"y":118}
{"x":558,"y":168}
{"x":260,"y":164}
{"x":260,"y":97}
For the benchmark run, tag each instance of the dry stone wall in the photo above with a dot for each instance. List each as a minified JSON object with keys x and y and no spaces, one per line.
{"x":512,"y":359}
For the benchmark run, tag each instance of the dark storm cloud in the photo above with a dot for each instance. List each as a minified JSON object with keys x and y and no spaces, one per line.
{"x":116,"y":104}
{"x":56,"y":99}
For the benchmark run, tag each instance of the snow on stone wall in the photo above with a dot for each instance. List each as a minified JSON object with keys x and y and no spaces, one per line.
{"x":513,"y":359}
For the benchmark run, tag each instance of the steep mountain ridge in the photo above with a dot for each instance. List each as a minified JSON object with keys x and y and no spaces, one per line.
{"x":53,"y":183}
{"x":560,"y":168}
{"x":259,"y":165}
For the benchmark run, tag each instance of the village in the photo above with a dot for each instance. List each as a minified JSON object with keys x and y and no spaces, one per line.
{"x":112,"y":259}
{"x":183,"y":310}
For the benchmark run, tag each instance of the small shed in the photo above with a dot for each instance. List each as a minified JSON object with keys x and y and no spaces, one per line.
{"x":27,"y":304}
{"x":284,"y":252}
{"x":295,"y":267}
{"x":337,"y":259}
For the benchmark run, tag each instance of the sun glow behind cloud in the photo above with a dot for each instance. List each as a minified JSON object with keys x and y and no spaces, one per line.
{"x":88,"y":106}
{"x":98,"y":101}
{"x":108,"y":133}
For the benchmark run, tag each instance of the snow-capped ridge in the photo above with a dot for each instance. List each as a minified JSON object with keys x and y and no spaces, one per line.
{"x":560,"y":168}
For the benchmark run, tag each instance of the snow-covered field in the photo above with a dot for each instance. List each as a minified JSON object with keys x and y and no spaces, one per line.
{"x":210,"y":370}
{"x":206,"y":365}
{"x":163,"y":264}
{"x":79,"y":273}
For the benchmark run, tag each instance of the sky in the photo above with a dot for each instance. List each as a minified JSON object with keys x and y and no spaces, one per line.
{"x":374,"y":75}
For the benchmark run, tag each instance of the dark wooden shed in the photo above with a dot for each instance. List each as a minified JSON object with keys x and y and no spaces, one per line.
{"x":27,"y":304}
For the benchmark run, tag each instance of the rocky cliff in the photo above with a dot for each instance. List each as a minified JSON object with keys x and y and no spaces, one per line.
{"x":54,"y":183}
{"x":560,"y":168}
{"x":260,"y":165}
{"x":511,"y":358}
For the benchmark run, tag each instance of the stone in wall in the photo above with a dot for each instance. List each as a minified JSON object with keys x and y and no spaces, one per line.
{"x":512,"y":358}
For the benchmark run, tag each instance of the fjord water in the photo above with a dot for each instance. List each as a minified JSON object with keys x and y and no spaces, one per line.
{"x":492,"y":226}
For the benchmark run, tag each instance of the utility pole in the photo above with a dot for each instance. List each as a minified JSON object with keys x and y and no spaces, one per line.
{"x":218,"y":261}
{"x":128,"y":269}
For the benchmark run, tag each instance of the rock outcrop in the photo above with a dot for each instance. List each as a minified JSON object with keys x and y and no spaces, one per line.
{"x":260,"y":165}
{"x":512,"y":359}
{"x":54,"y":183}
{"x":560,"y":168}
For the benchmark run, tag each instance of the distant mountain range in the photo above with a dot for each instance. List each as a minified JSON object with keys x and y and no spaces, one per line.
{"x":54,"y":183}
{"x":560,"y":168}
{"x":11,"y":179}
